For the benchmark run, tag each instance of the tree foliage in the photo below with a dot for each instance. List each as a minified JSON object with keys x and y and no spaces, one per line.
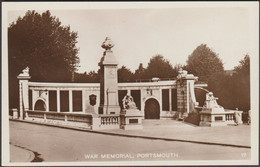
{"x":90,"y":77}
{"x":40,"y":42}
{"x":233,"y":90}
{"x":244,"y":67}
{"x":242,"y":84}
{"x":203,"y":62}
{"x":125,"y":75}
{"x":159,"y":67}
{"x":43,"y":44}
{"x":140,"y":72}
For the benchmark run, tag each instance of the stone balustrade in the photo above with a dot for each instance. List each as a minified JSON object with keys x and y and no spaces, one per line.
{"x":230,"y":116}
{"x":111,"y":121}
{"x":74,"y":119}
{"x":91,"y":121}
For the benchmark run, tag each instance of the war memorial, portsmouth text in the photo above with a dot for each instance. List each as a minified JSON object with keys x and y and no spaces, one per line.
{"x":131,"y":156}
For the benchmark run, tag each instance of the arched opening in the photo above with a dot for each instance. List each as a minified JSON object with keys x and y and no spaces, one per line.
{"x":40,"y":105}
{"x":200,"y":94}
{"x":152,"y":109}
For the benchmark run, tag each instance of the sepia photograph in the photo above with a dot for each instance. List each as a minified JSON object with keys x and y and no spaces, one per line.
{"x":130,"y":83}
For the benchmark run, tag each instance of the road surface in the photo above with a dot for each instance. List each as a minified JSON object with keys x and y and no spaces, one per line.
{"x":55,"y":144}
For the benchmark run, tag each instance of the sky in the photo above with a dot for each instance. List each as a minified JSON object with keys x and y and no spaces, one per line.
{"x":140,"y":34}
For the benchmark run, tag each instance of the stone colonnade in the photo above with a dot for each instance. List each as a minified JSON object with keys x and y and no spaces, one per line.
{"x":184,"y":85}
{"x":108,"y":100}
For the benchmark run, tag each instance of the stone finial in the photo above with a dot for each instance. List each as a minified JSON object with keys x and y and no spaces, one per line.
{"x":180,"y":70}
{"x":107,"y":44}
{"x":25,"y":72}
{"x":182,"y":73}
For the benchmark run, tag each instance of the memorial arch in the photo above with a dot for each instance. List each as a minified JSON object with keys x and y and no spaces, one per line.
{"x":40,"y":105}
{"x":152,"y":109}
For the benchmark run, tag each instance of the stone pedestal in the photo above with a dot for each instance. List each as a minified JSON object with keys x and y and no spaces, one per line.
{"x":23,"y":92}
{"x":15,"y":113}
{"x":213,"y":117}
{"x":185,"y":94}
{"x":108,"y":81}
{"x":131,"y":119}
{"x":213,"y":114}
{"x":96,"y":122}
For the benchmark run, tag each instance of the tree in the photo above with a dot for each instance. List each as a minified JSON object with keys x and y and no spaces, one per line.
{"x":203,"y":62}
{"x":40,"y":42}
{"x":233,"y":90}
{"x":244,"y":67}
{"x":159,"y":67}
{"x":80,"y":77}
{"x":241,"y":80}
{"x":93,"y":77}
{"x":124,"y":75}
{"x":223,"y":87}
{"x":140,"y":72}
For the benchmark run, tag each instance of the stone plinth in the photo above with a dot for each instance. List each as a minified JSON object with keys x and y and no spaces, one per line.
{"x":213,"y":117}
{"x":131,"y":119}
{"x":186,"y":101}
{"x":23,"y":92}
{"x":13,"y":113}
{"x":213,"y":114}
{"x":108,"y":81}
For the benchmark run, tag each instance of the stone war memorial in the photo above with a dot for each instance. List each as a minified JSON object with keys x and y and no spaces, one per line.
{"x":113,"y":105}
{"x":213,"y":114}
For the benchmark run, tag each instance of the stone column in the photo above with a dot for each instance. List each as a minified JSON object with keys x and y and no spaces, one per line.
{"x":160,"y":100}
{"x":58,"y":100}
{"x":170,"y":99}
{"x":185,"y":93}
{"x":47,"y":101}
{"x":70,"y":101}
{"x":23,"y":92}
{"x":108,"y":81}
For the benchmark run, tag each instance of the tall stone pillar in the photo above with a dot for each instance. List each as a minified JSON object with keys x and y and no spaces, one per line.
{"x":23,"y":92}
{"x":108,"y":81}
{"x":186,"y":100}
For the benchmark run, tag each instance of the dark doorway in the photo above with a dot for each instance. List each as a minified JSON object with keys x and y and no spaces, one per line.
{"x":174,"y":99}
{"x":152,"y":109}
{"x":52,"y":100}
{"x":40,"y":106}
{"x":165,"y":100}
{"x":64,"y":101}
{"x":77,"y":101}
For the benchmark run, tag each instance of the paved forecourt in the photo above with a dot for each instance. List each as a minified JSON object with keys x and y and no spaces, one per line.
{"x":59,"y":145}
{"x":172,"y":129}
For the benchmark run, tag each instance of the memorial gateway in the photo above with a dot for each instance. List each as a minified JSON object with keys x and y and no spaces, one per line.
{"x":109,"y":104}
